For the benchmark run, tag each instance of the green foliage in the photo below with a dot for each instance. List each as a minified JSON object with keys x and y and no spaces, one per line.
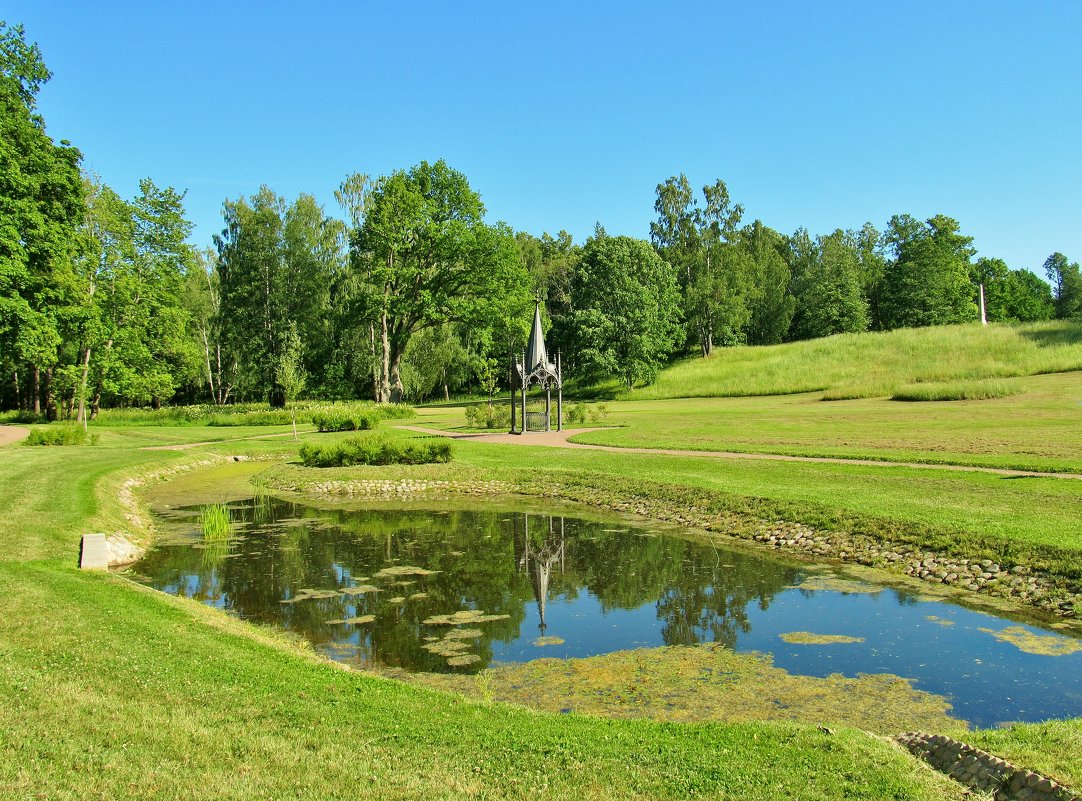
{"x":928,"y":282}
{"x":627,"y":313}
{"x":1066,"y":280}
{"x":579,"y":413}
{"x":957,"y":390}
{"x":829,"y":289}
{"x":376,"y":450}
{"x":488,"y":415}
{"x":425,"y":256}
{"x":214,"y":522}
{"x":249,"y":414}
{"x":332,"y":419}
{"x":60,"y":434}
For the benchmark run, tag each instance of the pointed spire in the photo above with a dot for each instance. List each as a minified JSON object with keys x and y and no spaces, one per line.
{"x":535,"y":350}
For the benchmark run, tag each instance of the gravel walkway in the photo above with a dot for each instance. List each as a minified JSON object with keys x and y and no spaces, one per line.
{"x":559,"y":439}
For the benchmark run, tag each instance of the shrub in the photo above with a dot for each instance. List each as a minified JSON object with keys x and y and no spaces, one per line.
{"x":329,"y":420}
{"x":488,"y":415}
{"x":376,"y":450}
{"x":61,"y":435}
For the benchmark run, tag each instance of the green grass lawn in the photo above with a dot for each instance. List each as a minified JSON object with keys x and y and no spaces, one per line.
{"x":1038,"y":429}
{"x":116,"y":691}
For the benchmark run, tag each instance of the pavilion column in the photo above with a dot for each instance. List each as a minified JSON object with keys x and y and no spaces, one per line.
{"x":512,"y":402}
{"x":548,"y":407}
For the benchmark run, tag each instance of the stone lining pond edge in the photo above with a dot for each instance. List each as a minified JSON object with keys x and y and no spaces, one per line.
{"x":981,"y":771}
{"x":1016,"y":584}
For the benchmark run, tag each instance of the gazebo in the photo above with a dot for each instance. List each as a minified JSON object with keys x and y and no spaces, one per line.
{"x":535,"y":368}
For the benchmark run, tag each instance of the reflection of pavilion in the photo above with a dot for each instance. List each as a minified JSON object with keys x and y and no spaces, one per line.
{"x":537,"y":560}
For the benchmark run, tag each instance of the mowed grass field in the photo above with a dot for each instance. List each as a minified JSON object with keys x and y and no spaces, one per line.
{"x":115,"y":691}
{"x":1039,"y":428}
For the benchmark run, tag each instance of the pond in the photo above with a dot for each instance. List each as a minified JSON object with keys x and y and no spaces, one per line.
{"x":458,"y":591}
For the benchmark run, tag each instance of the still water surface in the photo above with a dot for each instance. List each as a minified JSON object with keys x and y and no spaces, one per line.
{"x":375,"y":587}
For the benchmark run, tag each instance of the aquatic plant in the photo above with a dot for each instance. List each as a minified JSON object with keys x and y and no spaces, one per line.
{"x":215,"y":523}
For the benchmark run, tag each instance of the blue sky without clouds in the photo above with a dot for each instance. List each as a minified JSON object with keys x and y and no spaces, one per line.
{"x":816,"y":114}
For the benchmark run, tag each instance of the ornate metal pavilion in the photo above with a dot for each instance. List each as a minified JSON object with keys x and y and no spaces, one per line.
{"x":535,"y":368}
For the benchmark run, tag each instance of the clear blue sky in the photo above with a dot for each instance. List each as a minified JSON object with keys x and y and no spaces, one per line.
{"x":816,"y":114}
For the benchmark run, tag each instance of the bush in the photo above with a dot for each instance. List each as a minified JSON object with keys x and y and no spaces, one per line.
{"x":577,"y":413}
{"x":341,"y":420}
{"x":488,"y":415}
{"x":61,"y":435}
{"x":376,"y":450}
{"x":22,"y":416}
{"x":250,"y":414}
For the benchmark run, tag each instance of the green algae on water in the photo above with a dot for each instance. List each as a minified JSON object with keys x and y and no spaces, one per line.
{"x":540,"y":642}
{"x":463,"y":617}
{"x":941,"y":621}
{"x":808,"y":638}
{"x":704,"y":682}
{"x":835,"y":584}
{"x":1041,"y":644}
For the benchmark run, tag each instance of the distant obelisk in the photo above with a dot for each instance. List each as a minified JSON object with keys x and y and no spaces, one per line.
{"x":984,"y":319}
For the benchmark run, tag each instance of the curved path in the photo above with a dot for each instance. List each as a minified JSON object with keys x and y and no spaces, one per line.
{"x":559,"y":439}
{"x":10,"y":434}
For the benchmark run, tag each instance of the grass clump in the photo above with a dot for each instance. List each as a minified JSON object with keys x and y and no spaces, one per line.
{"x":61,"y":435}
{"x":214,"y":521}
{"x":958,"y":390}
{"x":376,"y":450}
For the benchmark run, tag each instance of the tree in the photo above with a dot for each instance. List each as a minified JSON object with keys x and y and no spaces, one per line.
{"x":289,"y":372}
{"x":277,"y":264}
{"x":713,"y":276}
{"x":1066,"y":285}
{"x":829,"y":292}
{"x":426,"y":257}
{"x":41,"y":203}
{"x":928,"y":282}
{"x":1028,"y":298}
{"x":771,"y":309}
{"x":627,"y":308}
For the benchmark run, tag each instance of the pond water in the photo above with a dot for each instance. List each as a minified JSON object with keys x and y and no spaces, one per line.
{"x":458,"y":591}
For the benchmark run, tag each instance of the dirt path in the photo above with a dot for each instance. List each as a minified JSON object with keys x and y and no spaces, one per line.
{"x":559,"y":439}
{"x":10,"y":434}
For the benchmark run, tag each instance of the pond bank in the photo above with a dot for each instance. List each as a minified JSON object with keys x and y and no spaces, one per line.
{"x":1003,"y":578}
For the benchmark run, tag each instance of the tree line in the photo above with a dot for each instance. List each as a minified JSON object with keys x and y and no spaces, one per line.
{"x":410,"y":294}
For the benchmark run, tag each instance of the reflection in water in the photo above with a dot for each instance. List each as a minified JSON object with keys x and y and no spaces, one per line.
{"x":535,"y":553}
{"x":458,"y":591}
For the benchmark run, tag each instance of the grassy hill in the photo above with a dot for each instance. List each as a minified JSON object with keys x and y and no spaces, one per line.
{"x":963,"y":360}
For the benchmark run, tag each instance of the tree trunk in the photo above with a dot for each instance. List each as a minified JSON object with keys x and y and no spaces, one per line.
{"x":384,"y":392}
{"x":395,"y":390}
{"x":18,"y":395}
{"x":50,"y":402}
{"x":446,"y":393}
{"x":36,"y":388}
{"x":206,"y":354}
{"x":82,"y":387}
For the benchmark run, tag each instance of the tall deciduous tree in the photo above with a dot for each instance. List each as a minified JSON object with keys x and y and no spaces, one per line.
{"x":427,"y":257}
{"x":627,"y":308}
{"x":41,"y":203}
{"x":276,"y":266}
{"x":1066,"y":283}
{"x":928,"y":282}
{"x":829,"y":292}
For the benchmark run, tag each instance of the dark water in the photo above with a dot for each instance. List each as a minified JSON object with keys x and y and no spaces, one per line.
{"x":598,"y":587}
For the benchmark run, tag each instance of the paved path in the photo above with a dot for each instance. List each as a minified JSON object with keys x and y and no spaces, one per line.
{"x":10,"y":434}
{"x":559,"y":439}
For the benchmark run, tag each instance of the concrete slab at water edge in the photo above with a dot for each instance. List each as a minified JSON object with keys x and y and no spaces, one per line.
{"x":94,"y":554}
